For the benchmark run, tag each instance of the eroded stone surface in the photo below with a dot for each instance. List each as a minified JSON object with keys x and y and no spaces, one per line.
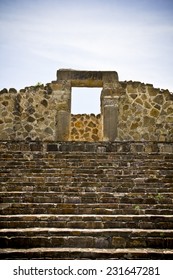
{"x":86,"y":127}
{"x":129,"y":111}
{"x":58,"y":198}
{"x":145,"y":113}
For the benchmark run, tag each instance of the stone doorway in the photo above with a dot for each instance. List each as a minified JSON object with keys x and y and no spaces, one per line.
{"x":86,"y":123}
{"x":95,"y":128}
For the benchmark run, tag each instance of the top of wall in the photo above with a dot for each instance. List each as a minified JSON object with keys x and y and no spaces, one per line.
{"x":136,"y":86}
{"x":48,"y":87}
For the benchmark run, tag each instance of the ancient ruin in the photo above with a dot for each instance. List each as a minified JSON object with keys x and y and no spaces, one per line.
{"x":129,"y":111}
{"x":86,"y":186}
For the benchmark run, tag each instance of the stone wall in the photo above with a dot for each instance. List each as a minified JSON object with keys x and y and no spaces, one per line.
{"x":86,"y":127}
{"x":145,"y":113}
{"x":129,"y":111}
{"x":28,"y":114}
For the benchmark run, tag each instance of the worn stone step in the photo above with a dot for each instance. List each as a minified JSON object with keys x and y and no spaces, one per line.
{"x":42,"y":186}
{"x":84,"y":208}
{"x":86,"y":238}
{"x":75,"y":154}
{"x":86,"y":253}
{"x":96,"y":169}
{"x":73,"y":205}
{"x":9,"y":154}
{"x":82,"y":172}
{"x":58,"y":182}
{"x":91,"y":164}
{"x":87,"y":221}
{"x":90,"y":192}
{"x":88,"y":197}
{"x":52,"y":188}
{"x":103,"y":159}
{"x":92,"y":168}
{"x":63,"y":179}
{"x":75,"y":181}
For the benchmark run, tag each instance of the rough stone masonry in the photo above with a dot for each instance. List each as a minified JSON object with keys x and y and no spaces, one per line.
{"x":128,"y":110}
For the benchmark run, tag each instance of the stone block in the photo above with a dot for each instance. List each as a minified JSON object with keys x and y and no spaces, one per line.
{"x":101,"y":242}
{"x":52,"y":147}
{"x":118,"y":242}
{"x":62,"y":126}
{"x":110,"y":123}
{"x":136,"y":243}
{"x":12,"y":90}
{"x":36,"y":146}
{"x":80,"y":242}
{"x":166,"y":148}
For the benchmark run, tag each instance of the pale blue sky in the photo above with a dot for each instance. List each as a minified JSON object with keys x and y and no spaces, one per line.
{"x":132,"y":37}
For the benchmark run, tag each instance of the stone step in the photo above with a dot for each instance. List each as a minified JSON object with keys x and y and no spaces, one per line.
{"x":90,"y":165}
{"x":100,"y":148}
{"x":86,"y":253}
{"x":98,"y":170}
{"x":64,"y":161}
{"x":86,"y":238}
{"x":87,"y":167}
{"x":79,"y":161}
{"x":110,"y":209}
{"x":114,"y":187}
{"x":95,"y":168}
{"x":74,"y":153}
{"x":87,"y":221}
{"x":86,"y":197}
{"x":86,"y":178}
{"x":86,"y":201}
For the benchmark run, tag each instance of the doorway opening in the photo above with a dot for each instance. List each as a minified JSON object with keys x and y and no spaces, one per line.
{"x":85,"y":100}
{"x":85,"y":114}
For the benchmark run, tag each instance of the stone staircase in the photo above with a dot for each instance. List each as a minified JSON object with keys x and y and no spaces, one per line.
{"x":79,"y":200}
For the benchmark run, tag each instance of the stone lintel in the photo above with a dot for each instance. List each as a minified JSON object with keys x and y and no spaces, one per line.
{"x":80,"y":78}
